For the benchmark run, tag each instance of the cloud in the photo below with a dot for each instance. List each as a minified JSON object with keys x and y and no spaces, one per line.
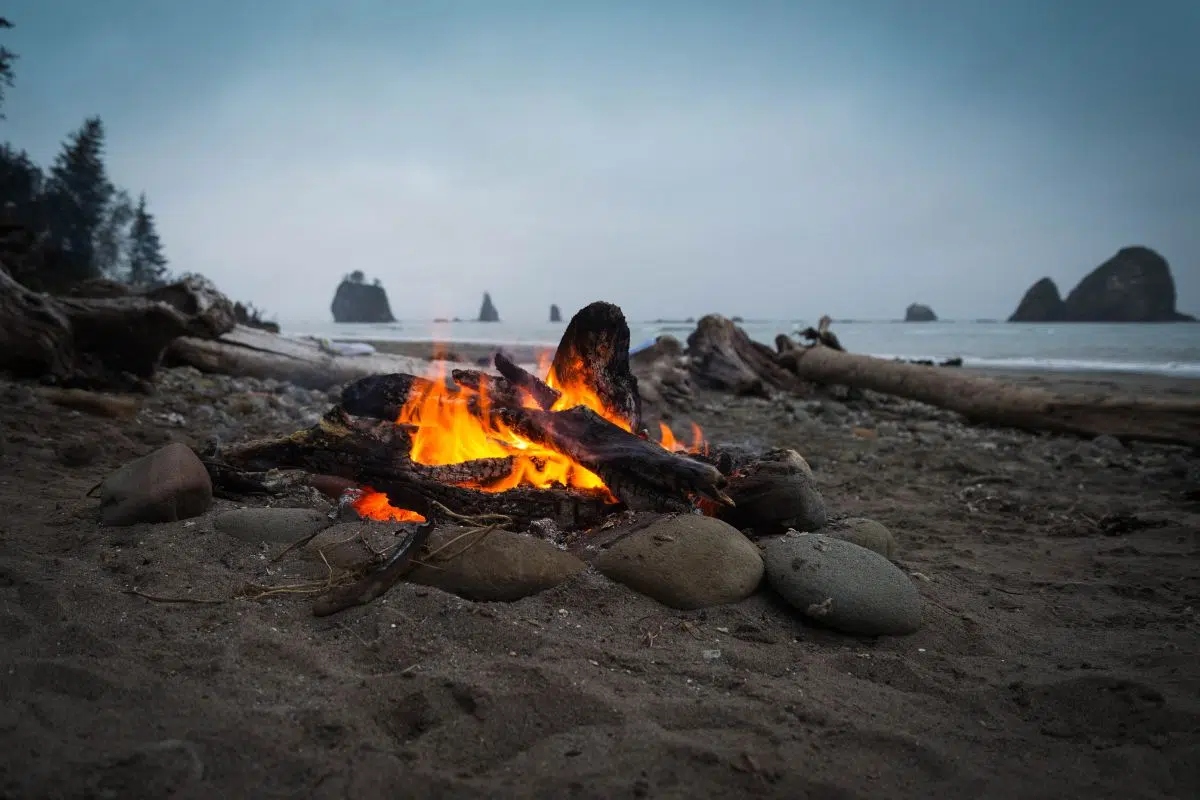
{"x":673,"y":168}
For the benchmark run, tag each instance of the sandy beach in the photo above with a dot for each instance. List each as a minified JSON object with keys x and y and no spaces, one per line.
{"x":1057,"y":658}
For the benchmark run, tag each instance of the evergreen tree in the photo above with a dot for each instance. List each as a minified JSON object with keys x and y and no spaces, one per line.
{"x":78,"y":197}
{"x":7,"y":57}
{"x":147,"y":264}
{"x":111,"y":243}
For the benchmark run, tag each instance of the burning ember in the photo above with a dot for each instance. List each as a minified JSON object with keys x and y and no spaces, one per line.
{"x":452,"y":425}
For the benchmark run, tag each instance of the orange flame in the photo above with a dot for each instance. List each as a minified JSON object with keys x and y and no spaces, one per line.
{"x":447,"y":430}
{"x":374,"y":505}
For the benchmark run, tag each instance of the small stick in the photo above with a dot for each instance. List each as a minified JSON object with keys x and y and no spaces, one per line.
{"x":158,"y":599}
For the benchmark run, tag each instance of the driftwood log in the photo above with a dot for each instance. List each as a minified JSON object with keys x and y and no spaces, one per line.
{"x":253,"y":353}
{"x":989,"y":401}
{"x":724,"y":358}
{"x":115,"y":341}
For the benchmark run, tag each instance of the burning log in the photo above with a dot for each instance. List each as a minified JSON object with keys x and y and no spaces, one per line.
{"x":989,"y":401}
{"x":109,"y":342}
{"x":543,"y":394}
{"x":641,"y":474}
{"x":594,"y":353}
{"x":382,"y":396}
{"x":723,"y":357}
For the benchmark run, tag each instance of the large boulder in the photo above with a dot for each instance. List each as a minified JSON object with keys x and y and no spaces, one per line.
{"x":357,"y":301}
{"x":1042,"y":303}
{"x":919,"y":313}
{"x":1135,"y":285}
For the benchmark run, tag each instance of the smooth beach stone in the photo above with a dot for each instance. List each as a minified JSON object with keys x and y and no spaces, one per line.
{"x":865,"y":533}
{"x":275,"y":525}
{"x":167,"y":485}
{"x":686,"y":561}
{"x":498,"y":566}
{"x":842,"y":585}
{"x":774,"y":493}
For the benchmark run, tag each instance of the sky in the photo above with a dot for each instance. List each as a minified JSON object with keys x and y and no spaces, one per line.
{"x":755,"y":158}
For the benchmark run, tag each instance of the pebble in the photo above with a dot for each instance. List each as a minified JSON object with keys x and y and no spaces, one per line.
{"x":274,"y":525}
{"x":865,"y":533}
{"x":167,"y":485}
{"x":842,"y":585}
{"x":686,"y":561}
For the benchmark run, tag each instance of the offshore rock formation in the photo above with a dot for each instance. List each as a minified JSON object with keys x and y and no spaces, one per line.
{"x":358,"y":301}
{"x":488,"y":312}
{"x":1135,"y":285}
{"x":555,"y":314}
{"x":919,"y":313}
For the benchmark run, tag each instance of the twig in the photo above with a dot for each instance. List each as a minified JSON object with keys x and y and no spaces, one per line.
{"x":463,"y":535}
{"x":158,"y":599}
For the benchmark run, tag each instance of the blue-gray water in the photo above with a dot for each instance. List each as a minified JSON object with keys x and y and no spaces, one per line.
{"x":1168,"y":349}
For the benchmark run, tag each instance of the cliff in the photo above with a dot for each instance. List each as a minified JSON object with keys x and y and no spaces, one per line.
{"x":1041,"y":303}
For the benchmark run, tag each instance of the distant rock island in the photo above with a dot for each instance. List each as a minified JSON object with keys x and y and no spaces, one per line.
{"x":919,"y":313}
{"x":555,"y":314}
{"x":358,"y":301}
{"x":488,"y":312}
{"x":1135,"y":285}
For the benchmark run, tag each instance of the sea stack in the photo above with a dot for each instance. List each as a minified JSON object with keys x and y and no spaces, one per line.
{"x":919,"y":313}
{"x":555,"y":314}
{"x":488,"y":312}
{"x":357,"y":301}
{"x":1135,"y":285}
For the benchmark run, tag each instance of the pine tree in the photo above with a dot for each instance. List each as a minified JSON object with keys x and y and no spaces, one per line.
{"x":7,"y":57}
{"x":110,"y":245}
{"x":78,"y":197}
{"x":147,"y":264}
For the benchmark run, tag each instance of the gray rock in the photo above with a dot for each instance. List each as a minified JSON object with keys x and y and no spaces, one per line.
{"x":275,"y":525}
{"x":865,"y":533}
{"x":1108,"y":444}
{"x":496,"y":566}
{"x":842,"y":586}
{"x":686,"y":561}
{"x":167,"y":485}
{"x":774,"y":493}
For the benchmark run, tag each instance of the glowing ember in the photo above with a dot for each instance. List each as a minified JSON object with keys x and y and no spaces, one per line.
{"x":447,"y":431}
{"x":374,"y":505}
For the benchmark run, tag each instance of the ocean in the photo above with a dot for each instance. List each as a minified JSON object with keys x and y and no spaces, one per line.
{"x":1166,"y":349}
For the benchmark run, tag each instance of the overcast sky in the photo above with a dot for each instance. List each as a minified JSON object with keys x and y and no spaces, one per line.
{"x":769,"y":159}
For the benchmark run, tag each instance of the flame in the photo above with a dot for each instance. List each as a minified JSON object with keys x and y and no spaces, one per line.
{"x":669,"y":442}
{"x":452,"y":425}
{"x":375,"y":505}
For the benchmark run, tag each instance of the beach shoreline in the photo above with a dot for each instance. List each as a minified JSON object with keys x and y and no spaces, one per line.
{"x":1070,"y":381}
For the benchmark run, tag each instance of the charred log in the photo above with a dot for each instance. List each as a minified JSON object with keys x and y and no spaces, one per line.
{"x":724,"y":358}
{"x":544,"y":395}
{"x":594,"y":351}
{"x":639,"y":473}
{"x":110,"y":342}
{"x":382,"y":396}
{"x":994,"y":402}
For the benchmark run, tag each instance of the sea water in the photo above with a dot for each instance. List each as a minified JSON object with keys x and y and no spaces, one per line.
{"x":1164,"y":349}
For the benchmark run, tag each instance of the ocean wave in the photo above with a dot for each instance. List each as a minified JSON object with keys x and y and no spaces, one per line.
{"x":1175,"y":369}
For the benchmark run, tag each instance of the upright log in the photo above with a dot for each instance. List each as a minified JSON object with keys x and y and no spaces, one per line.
{"x":594,"y":352}
{"x":990,"y":401}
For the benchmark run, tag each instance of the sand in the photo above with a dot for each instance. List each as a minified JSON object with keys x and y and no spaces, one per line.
{"x":1058,"y":657}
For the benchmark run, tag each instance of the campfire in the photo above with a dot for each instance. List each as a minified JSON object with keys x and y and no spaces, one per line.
{"x":568,"y":445}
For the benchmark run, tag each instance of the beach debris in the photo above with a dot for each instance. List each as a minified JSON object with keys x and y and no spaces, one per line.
{"x":685,"y":561}
{"x":166,"y":485}
{"x":842,"y":585}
